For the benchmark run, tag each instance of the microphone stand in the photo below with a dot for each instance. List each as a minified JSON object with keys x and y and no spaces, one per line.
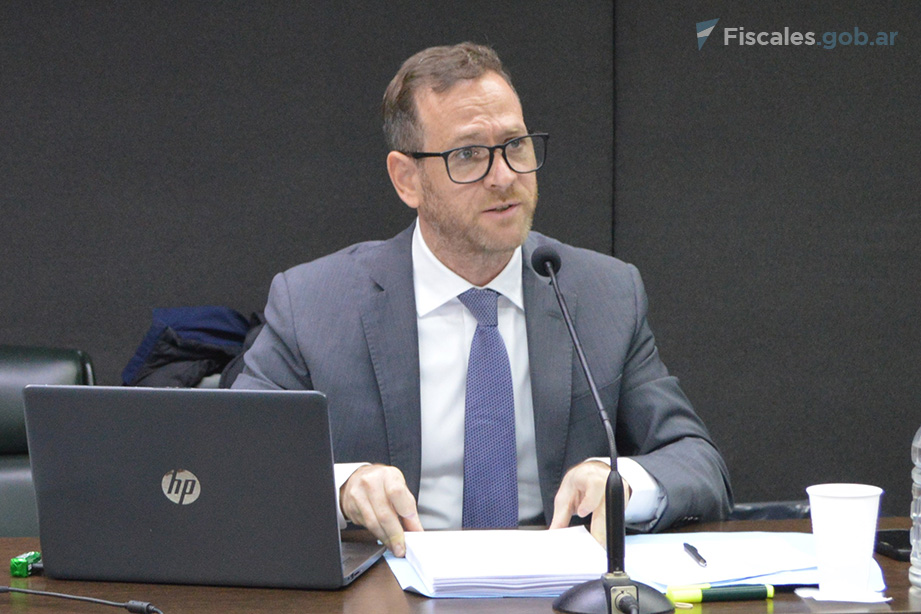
{"x":614,"y":591}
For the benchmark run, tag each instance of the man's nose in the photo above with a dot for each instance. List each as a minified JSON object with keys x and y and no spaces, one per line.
{"x":500,"y":175}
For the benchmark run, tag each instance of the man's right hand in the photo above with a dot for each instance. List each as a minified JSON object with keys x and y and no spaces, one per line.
{"x":376,"y":497}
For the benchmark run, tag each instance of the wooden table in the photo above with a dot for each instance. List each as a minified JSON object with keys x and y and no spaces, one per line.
{"x":378,"y":592}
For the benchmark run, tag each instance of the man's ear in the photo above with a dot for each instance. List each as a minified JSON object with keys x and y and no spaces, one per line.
{"x":404,"y":175}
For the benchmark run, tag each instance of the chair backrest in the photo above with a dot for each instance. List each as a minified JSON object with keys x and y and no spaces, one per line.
{"x":23,"y":365}
{"x":770,"y":510}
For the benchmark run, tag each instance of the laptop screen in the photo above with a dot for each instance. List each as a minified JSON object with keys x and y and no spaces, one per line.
{"x":228,"y":487}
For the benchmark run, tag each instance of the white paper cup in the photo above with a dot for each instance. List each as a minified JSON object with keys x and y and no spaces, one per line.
{"x":844,"y":524}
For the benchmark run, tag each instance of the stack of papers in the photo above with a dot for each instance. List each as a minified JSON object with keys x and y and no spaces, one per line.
{"x":542,"y":563}
{"x":526,"y":563}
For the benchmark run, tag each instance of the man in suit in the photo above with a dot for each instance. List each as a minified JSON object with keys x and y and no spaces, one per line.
{"x":385,"y":329}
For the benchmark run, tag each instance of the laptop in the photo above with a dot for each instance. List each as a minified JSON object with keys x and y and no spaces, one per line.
{"x":188,"y":486}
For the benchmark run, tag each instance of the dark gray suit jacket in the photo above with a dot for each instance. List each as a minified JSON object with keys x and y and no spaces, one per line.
{"x":346,"y":325}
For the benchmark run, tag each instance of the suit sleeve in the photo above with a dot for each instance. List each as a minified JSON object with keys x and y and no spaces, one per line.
{"x":658,"y":428}
{"x":274,"y":361}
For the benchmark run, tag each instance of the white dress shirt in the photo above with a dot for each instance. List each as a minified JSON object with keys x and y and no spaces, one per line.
{"x":446,"y":330}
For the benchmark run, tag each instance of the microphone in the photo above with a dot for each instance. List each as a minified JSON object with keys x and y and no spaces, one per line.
{"x":614,"y":591}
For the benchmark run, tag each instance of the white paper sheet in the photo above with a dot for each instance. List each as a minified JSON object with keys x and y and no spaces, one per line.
{"x":546,"y":563}
{"x":502,"y":563}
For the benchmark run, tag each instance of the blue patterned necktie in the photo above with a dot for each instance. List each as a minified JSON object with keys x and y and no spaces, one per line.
{"x":490,"y":452}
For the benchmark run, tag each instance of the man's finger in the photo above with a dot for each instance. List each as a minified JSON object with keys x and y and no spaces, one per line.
{"x":563,"y":505}
{"x":404,"y":504}
{"x":376,"y":496}
{"x":594,"y":485}
{"x":412,"y":523}
{"x":580,"y":493}
{"x":391,"y":530}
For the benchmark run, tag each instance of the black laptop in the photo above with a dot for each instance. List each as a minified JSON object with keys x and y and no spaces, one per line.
{"x":188,"y":486}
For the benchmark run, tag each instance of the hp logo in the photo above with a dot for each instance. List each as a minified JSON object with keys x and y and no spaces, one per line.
{"x":181,"y":486}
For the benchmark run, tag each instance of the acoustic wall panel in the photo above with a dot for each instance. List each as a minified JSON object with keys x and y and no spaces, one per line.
{"x":769,"y":193}
{"x":162,"y":154}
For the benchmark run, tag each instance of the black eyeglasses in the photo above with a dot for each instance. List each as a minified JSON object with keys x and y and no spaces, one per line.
{"x":469,"y":164}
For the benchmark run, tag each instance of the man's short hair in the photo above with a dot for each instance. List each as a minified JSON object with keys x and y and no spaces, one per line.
{"x":438,"y":69}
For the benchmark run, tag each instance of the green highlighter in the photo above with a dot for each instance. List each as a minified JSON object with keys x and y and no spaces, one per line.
{"x":704,"y":592}
{"x":21,"y":566}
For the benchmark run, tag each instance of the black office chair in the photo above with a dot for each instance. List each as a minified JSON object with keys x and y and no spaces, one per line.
{"x":770,"y":510}
{"x":20,"y":366}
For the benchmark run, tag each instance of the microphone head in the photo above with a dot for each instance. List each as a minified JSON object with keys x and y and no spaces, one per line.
{"x":544,"y":255}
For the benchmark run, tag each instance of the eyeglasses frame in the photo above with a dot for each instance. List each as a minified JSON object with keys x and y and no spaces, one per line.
{"x":492,"y":152}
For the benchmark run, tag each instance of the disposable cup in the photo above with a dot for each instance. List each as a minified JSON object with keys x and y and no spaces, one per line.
{"x":844,"y":524}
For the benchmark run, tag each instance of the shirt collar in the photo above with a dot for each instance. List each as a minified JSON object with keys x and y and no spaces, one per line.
{"x":435,"y":284}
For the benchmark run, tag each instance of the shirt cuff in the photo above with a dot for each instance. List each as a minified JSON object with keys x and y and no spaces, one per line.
{"x":341,"y":474}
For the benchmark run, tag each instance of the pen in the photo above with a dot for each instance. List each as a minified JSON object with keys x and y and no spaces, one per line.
{"x":735,"y":592}
{"x":695,"y":554}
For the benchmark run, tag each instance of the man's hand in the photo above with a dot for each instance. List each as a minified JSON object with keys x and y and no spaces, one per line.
{"x":376,"y":497}
{"x":582,"y":493}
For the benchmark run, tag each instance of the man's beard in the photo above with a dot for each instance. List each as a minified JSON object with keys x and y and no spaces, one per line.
{"x":456,"y":236}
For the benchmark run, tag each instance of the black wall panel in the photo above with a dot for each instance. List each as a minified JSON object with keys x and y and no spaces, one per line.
{"x":770,"y":196}
{"x":172,"y":153}
{"x":165,"y":153}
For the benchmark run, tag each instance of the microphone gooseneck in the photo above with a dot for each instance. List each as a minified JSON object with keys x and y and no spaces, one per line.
{"x":546,"y":261}
{"x":614,"y":591}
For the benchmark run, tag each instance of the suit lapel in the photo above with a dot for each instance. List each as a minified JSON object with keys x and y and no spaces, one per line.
{"x":389,"y":320}
{"x":550,"y":355}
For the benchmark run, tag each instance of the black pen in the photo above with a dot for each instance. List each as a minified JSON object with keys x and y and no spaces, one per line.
{"x":695,"y":554}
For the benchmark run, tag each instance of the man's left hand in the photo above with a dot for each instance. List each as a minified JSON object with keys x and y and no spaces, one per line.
{"x":582,"y":493}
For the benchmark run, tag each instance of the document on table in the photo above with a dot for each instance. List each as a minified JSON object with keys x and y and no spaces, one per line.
{"x":524,"y":563}
{"x":528,"y":563}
